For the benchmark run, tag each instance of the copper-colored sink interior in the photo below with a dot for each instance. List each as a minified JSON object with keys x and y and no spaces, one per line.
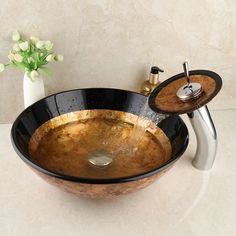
{"x":64,"y":143}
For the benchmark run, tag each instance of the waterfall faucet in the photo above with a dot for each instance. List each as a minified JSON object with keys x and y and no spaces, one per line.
{"x":188,"y":93}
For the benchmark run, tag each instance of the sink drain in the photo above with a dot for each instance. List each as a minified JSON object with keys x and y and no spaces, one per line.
{"x":100,"y":158}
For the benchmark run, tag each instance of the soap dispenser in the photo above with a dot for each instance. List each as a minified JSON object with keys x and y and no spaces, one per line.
{"x":153,"y":81}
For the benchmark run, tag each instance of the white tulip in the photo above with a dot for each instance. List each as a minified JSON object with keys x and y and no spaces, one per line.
{"x":34,"y":39}
{"x":34,"y":75}
{"x":15,"y":36}
{"x":40,"y":44}
{"x":16,"y":47}
{"x":11,"y":56}
{"x":2,"y":67}
{"x":18,"y":57}
{"x":48,"y":45}
{"x":24,"y":46}
{"x":50,"y":57}
{"x":59,"y":57}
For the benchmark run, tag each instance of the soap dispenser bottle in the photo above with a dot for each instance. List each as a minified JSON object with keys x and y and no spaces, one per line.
{"x":153,"y":81}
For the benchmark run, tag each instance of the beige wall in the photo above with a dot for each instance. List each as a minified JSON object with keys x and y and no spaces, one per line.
{"x":113,"y":43}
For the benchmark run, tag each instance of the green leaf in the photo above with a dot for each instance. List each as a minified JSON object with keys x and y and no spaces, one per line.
{"x":34,"y":55}
{"x":36,"y":63}
{"x":20,"y":65}
{"x":47,"y":72}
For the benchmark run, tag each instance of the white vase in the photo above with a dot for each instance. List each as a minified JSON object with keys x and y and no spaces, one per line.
{"x":33,"y":90}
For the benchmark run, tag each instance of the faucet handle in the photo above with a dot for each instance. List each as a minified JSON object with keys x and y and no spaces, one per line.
{"x":186,"y":71}
{"x":190,"y":90}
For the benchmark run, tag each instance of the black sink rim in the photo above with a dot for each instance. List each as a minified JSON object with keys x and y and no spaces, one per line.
{"x":34,"y":165}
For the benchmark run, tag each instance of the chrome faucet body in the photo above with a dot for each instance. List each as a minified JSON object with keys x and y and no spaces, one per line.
{"x":205,"y":131}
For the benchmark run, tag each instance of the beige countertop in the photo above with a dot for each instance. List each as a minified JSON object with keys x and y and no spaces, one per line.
{"x":185,"y":201}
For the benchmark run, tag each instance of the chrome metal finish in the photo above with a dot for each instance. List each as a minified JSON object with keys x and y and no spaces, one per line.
{"x":206,"y":138}
{"x":186,"y":71}
{"x":100,"y":159}
{"x":189,"y":91}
